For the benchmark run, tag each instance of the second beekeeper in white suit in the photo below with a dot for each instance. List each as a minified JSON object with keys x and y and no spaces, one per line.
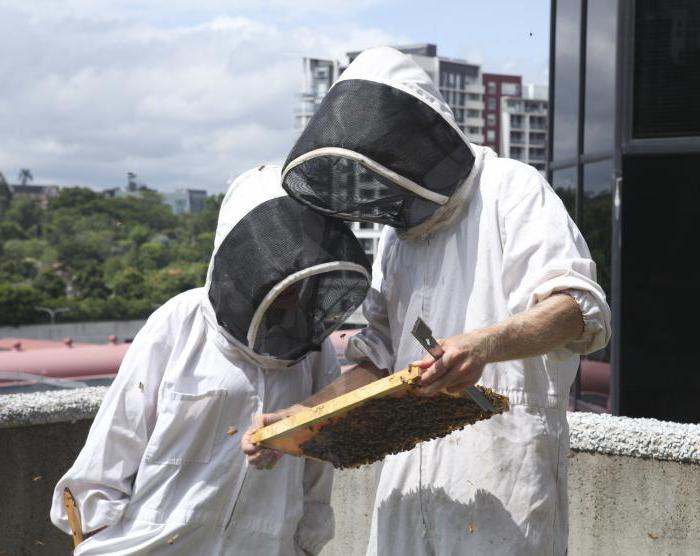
{"x":162,"y":471}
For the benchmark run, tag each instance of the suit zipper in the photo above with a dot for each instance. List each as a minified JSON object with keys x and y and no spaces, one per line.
{"x":261,"y":388}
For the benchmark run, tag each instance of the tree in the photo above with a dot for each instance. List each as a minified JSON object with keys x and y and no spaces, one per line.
{"x":139,"y":234}
{"x":17,"y":304}
{"x":104,"y":257}
{"x":89,"y":282}
{"x":174,"y":279}
{"x":80,"y":199}
{"x":128,"y":283}
{"x":25,"y":213}
{"x":11,"y":230}
{"x":153,"y":255}
{"x":25,"y":176}
{"x":34,"y":249}
{"x":5,"y":194}
{"x":131,"y":183}
{"x":50,"y":284}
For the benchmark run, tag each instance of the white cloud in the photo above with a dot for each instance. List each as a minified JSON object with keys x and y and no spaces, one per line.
{"x":87,"y":98}
{"x":174,"y":10}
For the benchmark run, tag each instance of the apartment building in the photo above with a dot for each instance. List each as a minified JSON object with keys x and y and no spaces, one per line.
{"x":523,"y":130}
{"x":318,"y":76}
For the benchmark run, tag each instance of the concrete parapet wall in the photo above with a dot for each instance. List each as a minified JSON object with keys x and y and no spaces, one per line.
{"x":634,"y":484}
{"x":32,"y":460}
{"x":91,"y":332}
{"x":620,"y":505}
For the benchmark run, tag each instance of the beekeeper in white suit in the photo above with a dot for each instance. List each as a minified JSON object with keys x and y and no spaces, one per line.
{"x":162,"y":471}
{"x":482,"y":249}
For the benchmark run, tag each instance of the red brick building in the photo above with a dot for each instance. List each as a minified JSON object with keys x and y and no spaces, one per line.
{"x":496,"y":86}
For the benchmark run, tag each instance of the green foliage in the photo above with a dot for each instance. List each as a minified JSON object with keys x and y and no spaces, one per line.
{"x":129,"y":283}
{"x":11,"y":230}
{"x":17,"y":304}
{"x":153,"y":255}
{"x":35,"y":249}
{"x":139,"y":234}
{"x":5,"y":195}
{"x":597,"y":229}
{"x":89,"y":282}
{"x":25,"y":213}
{"x":167,"y":282}
{"x":50,"y":285}
{"x":102,"y":257}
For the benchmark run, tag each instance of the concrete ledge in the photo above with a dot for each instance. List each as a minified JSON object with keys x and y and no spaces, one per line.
{"x":638,"y":438}
{"x":52,"y":406}
{"x":589,"y":432}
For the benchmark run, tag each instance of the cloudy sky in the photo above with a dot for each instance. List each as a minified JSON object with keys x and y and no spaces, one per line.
{"x":191,"y":93}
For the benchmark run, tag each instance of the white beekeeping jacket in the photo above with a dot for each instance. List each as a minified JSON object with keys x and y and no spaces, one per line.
{"x":498,"y":487}
{"x":474,"y":239}
{"x":162,"y":467}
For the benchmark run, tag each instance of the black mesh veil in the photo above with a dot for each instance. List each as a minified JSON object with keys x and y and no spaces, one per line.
{"x":315,"y":262}
{"x":390,"y":127}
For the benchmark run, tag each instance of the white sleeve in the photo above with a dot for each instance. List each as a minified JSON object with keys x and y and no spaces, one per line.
{"x":544,"y":253}
{"x":317,"y":525}
{"x":373,"y":343}
{"x":102,"y":476}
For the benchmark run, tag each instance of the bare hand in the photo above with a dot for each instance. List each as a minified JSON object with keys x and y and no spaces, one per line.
{"x":460,"y":366}
{"x":258,"y":456}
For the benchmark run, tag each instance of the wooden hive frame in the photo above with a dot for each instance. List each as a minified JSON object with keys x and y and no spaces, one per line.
{"x":290,"y":433}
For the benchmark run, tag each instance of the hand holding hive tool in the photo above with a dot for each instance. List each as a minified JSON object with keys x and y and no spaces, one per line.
{"x":424,"y":335}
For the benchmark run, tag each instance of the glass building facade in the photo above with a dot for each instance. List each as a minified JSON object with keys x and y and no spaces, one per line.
{"x":624,"y":156}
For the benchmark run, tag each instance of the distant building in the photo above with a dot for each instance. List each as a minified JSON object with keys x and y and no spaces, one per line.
{"x":461,"y":88}
{"x":319,"y":75}
{"x":124,"y":192}
{"x":497,"y":86}
{"x":41,"y":194}
{"x":523,"y":130}
{"x":186,"y":200}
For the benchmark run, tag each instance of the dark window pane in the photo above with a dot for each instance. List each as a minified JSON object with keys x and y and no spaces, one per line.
{"x":600,"y":75}
{"x":658,"y":336}
{"x":597,"y":226}
{"x":667,"y":68}
{"x":566,"y":78}
{"x":564,"y":183}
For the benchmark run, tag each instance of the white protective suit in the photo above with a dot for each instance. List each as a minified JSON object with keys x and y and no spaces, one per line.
{"x":500,"y":244}
{"x":162,"y":467}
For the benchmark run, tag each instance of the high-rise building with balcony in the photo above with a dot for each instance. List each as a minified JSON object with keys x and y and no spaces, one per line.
{"x":523,"y":131}
{"x":318,"y":77}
